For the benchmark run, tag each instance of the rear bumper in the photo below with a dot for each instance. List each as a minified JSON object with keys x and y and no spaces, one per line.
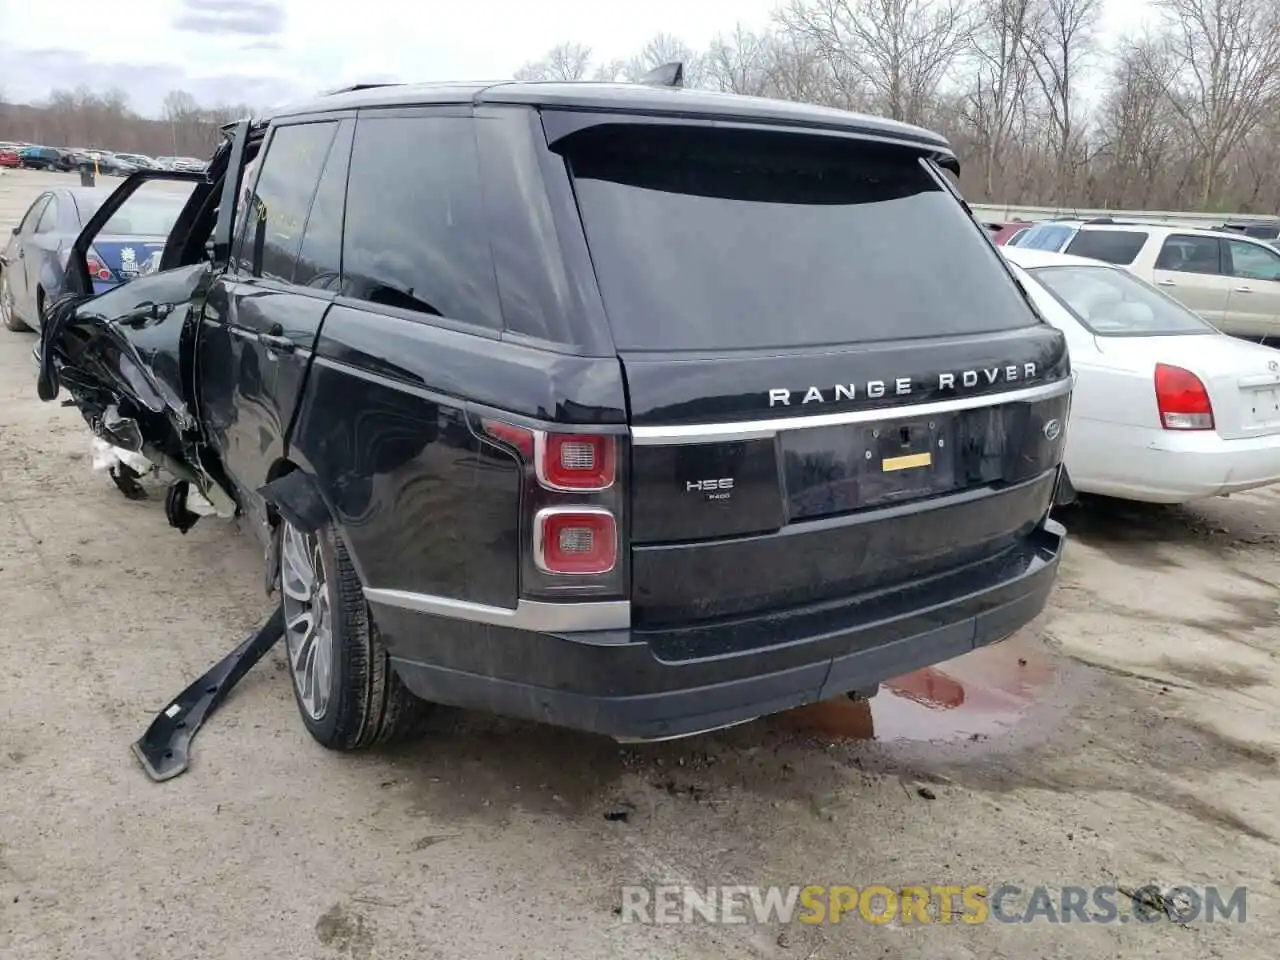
{"x":1172,"y":467}
{"x":653,"y":684}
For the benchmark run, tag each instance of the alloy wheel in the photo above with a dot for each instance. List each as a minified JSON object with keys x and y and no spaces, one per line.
{"x":6,"y":301}
{"x":308,"y":619}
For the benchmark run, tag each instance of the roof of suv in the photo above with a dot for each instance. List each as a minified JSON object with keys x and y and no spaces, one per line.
{"x":1152,"y":227}
{"x":618,"y":97}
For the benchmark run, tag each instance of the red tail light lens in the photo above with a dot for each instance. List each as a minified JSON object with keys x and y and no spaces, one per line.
{"x":1182,"y":399}
{"x":510,"y":434}
{"x":574,"y":461}
{"x":97,"y":269}
{"x":575,"y":541}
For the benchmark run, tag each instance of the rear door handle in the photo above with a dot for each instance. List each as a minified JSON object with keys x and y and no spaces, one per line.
{"x":1244,"y":289}
{"x":1165,"y":283}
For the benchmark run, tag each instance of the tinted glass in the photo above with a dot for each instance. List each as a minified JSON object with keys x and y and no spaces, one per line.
{"x":1114,"y":303}
{"x":707,"y":238}
{"x":415,"y":229}
{"x":49,"y":219}
{"x":320,"y":259}
{"x":277,"y":209}
{"x":1046,"y":237}
{"x":1111,"y":246}
{"x":1253,"y":261}
{"x":1187,"y":254}
{"x":150,"y":216}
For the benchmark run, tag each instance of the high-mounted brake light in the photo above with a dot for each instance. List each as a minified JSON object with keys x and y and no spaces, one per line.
{"x":1182,"y":399}
{"x":575,"y":541}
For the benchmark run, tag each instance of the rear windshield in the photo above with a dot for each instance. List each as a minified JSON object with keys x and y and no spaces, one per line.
{"x":1114,"y":303}
{"x":1045,"y":238}
{"x":709,"y":239}
{"x":141,"y":216}
{"x":1120,"y":247}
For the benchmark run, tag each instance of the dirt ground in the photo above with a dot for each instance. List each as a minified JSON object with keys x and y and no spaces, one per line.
{"x":1128,"y":737}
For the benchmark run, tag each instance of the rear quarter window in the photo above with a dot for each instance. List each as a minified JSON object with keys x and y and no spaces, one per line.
{"x":1120,"y":247}
{"x":708,"y":239}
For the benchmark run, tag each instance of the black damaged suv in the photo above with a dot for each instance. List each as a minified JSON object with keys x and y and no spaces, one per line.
{"x":627,"y":408}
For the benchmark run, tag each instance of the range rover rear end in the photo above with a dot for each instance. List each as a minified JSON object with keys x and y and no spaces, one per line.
{"x":840,"y":430}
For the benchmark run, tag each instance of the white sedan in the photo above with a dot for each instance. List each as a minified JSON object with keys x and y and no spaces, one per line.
{"x":1166,"y":408}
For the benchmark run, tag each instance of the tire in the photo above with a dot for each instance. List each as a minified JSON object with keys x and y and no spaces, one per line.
{"x":8,"y":313}
{"x":355,"y":700}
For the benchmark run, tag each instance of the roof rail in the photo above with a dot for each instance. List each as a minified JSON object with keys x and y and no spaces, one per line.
{"x":353,"y":88}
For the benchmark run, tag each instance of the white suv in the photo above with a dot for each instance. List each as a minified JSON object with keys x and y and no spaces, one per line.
{"x":1231,"y":280}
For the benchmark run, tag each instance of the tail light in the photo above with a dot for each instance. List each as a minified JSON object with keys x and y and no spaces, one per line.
{"x":572,"y":510}
{"x":1182,"y":399}
{"x":575,"y":541}
{"x":97,"y":269}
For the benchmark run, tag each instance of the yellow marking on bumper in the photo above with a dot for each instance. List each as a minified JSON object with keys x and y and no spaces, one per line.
{"x":908,"y":462}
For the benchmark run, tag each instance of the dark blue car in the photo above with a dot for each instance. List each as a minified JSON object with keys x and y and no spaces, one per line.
{"x":32,"y":264}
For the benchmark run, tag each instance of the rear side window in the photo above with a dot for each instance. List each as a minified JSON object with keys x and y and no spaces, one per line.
{"x":48,"y":219}
{"x":415,"y":227}
{"x":276,"y":212}
{"x":709,"y":239}
{"x":320,"y":259}
{"x":1185,"y":253}
{"x":1046,"y":237}
{"x":1120,"y":247}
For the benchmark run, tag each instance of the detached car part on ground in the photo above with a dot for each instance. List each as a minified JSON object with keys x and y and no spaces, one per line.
{"x":621,"y":410}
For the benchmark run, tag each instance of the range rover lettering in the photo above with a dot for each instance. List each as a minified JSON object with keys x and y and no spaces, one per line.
{"x":628,"y":408}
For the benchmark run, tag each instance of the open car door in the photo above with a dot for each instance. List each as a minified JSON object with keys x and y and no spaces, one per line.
{"x":127,"y":356}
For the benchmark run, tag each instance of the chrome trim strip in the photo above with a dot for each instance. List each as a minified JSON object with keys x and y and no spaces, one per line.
{"x":569,"y":617}
{"x":763,"y":429}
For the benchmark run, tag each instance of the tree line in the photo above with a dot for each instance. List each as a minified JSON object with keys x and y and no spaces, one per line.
{"x":85,"y":118}
{"x":1183,"y":116}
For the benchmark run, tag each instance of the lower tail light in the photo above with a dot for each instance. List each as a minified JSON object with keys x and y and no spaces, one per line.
{"x":1182,"y":399}
{"x":575,"y":541}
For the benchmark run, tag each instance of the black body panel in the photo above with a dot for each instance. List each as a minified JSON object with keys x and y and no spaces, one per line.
{"x":829,"y":559}
{"x":383,"y":426}
{"x":249,"y":387}
{"x":655,"y":684}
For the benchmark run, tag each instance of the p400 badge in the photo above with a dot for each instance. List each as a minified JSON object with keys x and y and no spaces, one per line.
{"x":719,"y":489}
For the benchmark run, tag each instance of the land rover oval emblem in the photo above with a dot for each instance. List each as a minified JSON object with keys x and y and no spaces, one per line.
{"x":1052,"y":429}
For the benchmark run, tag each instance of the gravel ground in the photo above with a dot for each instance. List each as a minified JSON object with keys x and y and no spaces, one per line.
{"x":1128,"y":737}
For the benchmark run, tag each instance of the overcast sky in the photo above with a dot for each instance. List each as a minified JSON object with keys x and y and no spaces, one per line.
{"x":266,"y":51}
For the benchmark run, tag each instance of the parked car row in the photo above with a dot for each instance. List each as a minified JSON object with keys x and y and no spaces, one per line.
{"x":1229,"y":277}
{"x":37,"y":157}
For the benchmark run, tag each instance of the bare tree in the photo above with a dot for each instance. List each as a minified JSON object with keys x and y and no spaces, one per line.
{"x":1062,"y":43}
{"x":900,"y":51}
{"x":1137,"y":124}
{"x":738,"y":63}
{"x":1227,"y":56}
{"x":997,"y":100}
{"x":665,"y":48}
{"x":565,"y":61}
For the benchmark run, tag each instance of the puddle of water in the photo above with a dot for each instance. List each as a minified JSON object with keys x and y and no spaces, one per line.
{"x":971,"y":697}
